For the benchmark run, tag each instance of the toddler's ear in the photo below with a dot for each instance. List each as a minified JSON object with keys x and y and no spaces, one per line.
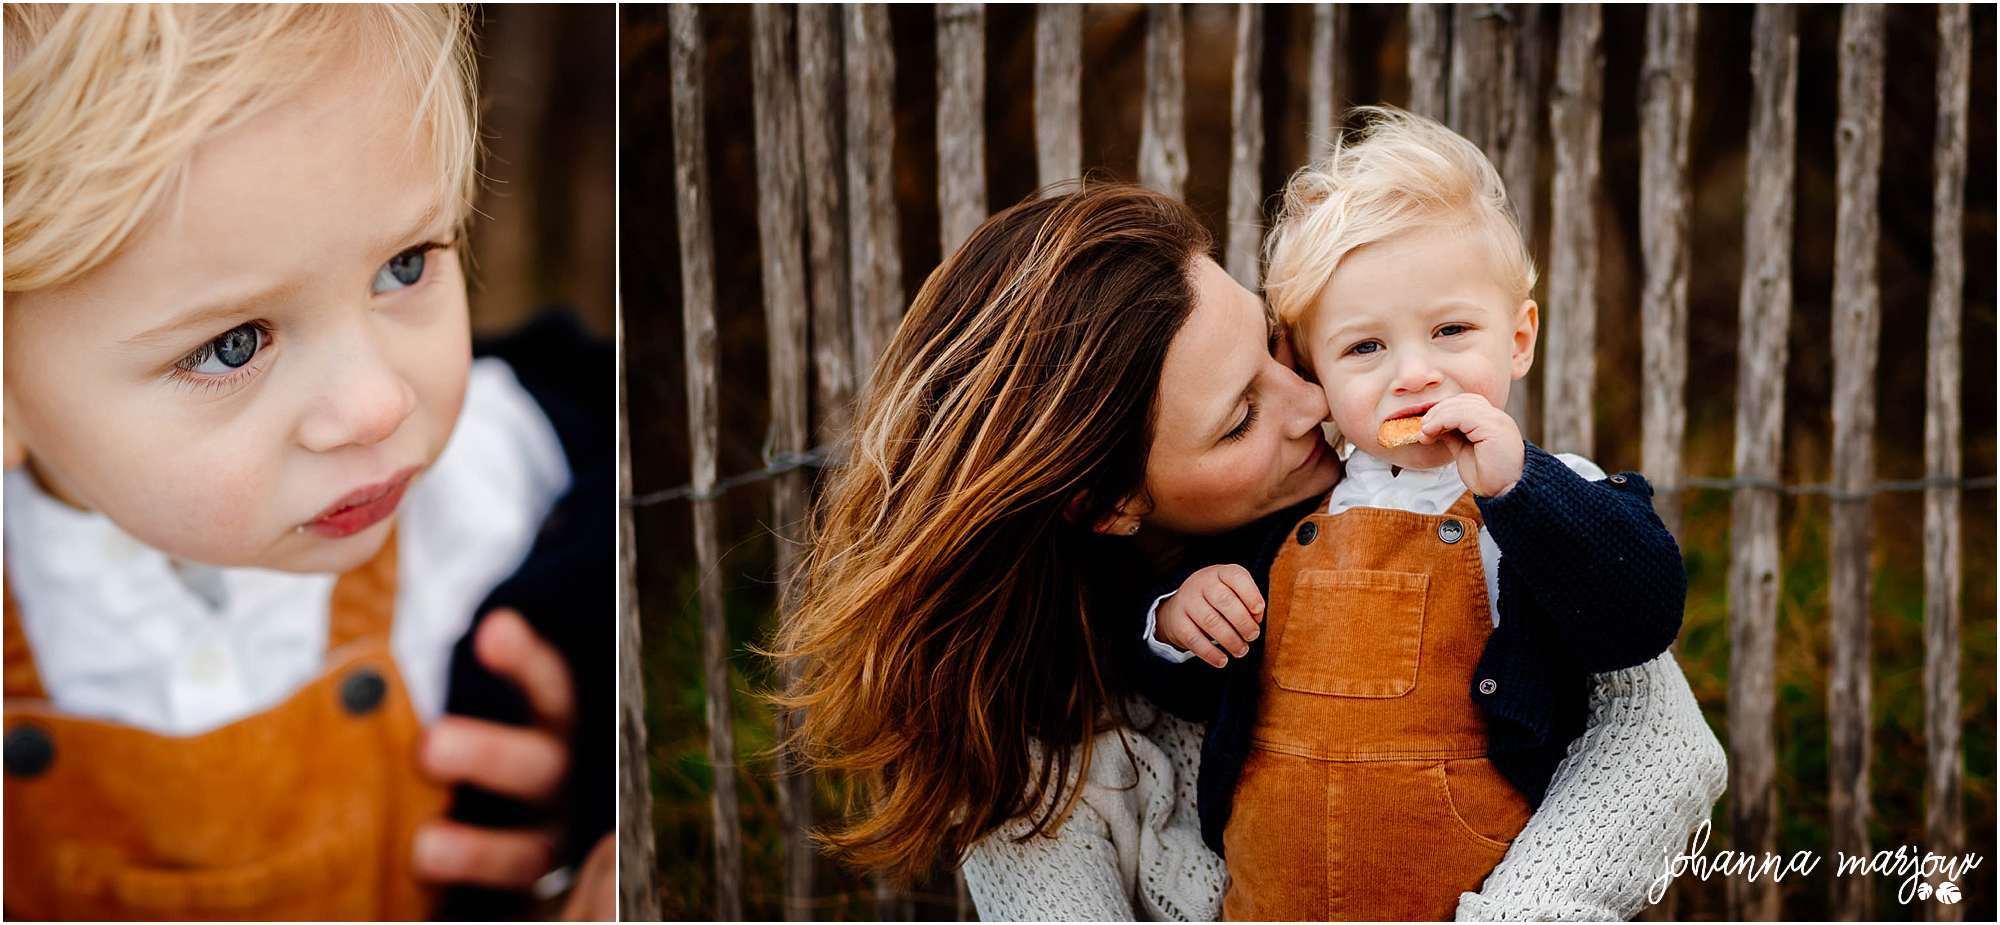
{"x":1527,"y":325}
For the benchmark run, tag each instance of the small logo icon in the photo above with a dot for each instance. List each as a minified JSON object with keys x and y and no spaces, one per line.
{"x":1947,"y":893}
{"x":1923,"y":891}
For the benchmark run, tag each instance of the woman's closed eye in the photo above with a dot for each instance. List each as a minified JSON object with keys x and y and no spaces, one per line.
{"x":224,"y":360}
{"x":1249,"y":421}
{"x":405,"y":269}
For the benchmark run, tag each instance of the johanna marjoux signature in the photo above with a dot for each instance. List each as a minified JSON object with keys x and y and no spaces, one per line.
{"x":1916,"y":867}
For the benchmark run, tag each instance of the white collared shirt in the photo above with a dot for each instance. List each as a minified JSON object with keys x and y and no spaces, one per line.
{"x":121,"y":632}
{"x":1371,"y":482}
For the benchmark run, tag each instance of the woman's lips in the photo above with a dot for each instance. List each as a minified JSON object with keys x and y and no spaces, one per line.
{"x":362,"y":508}
{"x":1319,"y":449}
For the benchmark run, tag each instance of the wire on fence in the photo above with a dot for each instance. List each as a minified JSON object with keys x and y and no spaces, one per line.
{"x":775,"y":465}
{"x":821,"y":456}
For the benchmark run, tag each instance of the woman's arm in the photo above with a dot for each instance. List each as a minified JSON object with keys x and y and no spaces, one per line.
{"x":1072,"y":876}
{"x":1645,"y":772}
{"x":1131,"y":849}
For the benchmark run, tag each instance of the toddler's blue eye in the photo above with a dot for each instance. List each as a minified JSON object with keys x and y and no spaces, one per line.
{"x":400,"y":271}
{"x":229,"y":352}
{"x":1364,"y":347}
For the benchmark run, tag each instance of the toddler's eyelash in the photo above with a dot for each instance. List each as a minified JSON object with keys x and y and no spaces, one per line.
{"x":1249,"y":420}
{"x":182,"y":374}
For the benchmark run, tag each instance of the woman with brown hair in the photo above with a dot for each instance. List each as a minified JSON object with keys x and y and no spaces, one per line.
{"x":1077,"y":398}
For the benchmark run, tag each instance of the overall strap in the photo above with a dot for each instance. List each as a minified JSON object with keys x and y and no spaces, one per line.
{"x":363,"y":604}
{"x":17,"y":661}
{"x":1467,"y":508}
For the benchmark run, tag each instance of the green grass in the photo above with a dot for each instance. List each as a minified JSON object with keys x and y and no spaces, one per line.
{"x":683,"y":775}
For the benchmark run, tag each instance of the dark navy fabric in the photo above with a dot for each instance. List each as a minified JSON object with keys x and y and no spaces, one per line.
{"x":1590,"y":581}
{"x":565,"y":589}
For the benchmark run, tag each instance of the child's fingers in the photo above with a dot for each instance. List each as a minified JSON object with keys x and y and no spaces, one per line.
{"x":1189,"y":635}
{"x":452,"y":852}
{"x":527,"y":764}
{"x":1204,"y":650}
{"x":509,"y":647}
{"x":1238,"y":579}
{"x":1233,"y":623}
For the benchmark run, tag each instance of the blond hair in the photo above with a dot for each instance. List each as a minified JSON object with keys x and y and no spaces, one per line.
{"x":106,"y":104}
{"x":1401,"y":172}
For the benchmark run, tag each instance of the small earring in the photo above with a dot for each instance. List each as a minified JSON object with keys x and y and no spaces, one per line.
{"x":1131,"y":528}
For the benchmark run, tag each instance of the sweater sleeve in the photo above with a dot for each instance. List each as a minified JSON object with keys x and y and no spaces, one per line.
{"x":1595,"y":557}
{"x":1073,"y":876}
{"x":1645,"y":774}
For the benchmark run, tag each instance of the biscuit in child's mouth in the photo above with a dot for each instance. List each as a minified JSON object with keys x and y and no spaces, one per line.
{"x":1400,"y":432}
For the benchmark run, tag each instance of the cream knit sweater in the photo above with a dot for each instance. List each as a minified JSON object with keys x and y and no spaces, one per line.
{"x":1646,"y":771}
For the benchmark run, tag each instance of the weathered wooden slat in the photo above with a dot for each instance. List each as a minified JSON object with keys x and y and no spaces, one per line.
{"x":961,"y":121}
{"x":698,"y":321}
{"x":1482,"y":53}
{"x":1520,"y":161}
{"x":1058,"y":92}
{"x":1666,"y":101}
{"x":780,"y":226}
{"x":1764,"y":310}
{"x":1570,"y":318}
{"x":1944,"y":780}
{"x":821,"y":90}
{"x":1323,"y":86}
{"x":1429,"y":46}
{"x":1163,"y":129}
{"x":1246,"y":149}
{"x":874,"y":252}
{"x":1856,"y":332}
{"x":637,"y":899}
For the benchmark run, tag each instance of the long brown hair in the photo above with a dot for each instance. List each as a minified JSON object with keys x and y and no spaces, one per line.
{"x":951,"y":610}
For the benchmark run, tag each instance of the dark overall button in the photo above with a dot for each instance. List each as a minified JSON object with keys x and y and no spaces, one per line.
{"x":29,"y":751}
{"x":1308,"y":532}
{"x":1451,"y":531}
{"x":1486,"y":686}
{"x":363,"y":691}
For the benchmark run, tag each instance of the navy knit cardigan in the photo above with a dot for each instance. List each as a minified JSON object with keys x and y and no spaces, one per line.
{"x":1590,"y":581}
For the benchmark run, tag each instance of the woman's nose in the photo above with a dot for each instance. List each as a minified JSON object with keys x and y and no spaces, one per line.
{"x":363,"y":402}
{"x":1307,"y":405}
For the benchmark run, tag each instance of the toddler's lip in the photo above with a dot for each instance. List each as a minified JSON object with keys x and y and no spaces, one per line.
{"x":1411,"y":411}
{"x":363,"y":507}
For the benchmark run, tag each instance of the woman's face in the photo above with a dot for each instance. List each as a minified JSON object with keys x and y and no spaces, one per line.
{"x":1236,"y":431}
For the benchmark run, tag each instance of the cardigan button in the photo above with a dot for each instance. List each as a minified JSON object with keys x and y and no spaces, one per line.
{"x":1617,"y":480}
{"x":1451,"y":531}
{"x":28,"y":751}
{"x":1308,"y":532}
{"x":1486,"y":686}
{"x":363,"y":691}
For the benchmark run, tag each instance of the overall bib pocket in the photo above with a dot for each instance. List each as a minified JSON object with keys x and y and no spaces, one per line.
{"x":1352,"y":633}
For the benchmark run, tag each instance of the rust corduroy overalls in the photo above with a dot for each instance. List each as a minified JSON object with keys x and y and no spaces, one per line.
{"x":1367,"y":793}
{"x":303,"y":811}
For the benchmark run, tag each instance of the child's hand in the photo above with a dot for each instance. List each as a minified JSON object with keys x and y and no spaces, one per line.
{"x":1217,"y":606}
{"x":1484,"y":441}
{"x":525,"y":763}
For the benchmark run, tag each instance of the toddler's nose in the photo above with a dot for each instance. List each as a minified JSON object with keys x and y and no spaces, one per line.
{"x":366,"y":404}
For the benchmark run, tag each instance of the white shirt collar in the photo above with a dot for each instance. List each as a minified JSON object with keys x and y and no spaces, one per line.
{"x":1370,"y":482}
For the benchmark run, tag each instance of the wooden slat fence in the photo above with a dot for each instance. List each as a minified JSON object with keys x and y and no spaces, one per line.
{"x":828,"y":229}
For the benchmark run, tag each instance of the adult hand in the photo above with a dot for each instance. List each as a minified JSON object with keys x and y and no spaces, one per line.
{"x":524,"y":763}
{"x":595,"y":897}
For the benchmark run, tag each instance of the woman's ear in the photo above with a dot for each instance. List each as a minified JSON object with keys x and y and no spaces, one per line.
{"x":1122,"y":521}
{"x":1527,"y":325}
